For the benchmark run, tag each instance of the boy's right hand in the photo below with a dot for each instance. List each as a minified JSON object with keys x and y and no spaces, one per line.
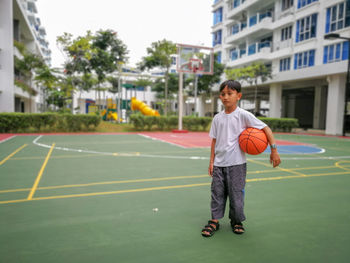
{"x":210,"y":169}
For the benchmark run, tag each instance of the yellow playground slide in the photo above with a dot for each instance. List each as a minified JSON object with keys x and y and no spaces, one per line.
{"x":141,"y":106}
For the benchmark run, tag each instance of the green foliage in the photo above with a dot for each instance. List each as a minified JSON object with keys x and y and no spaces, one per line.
{"x":193,"y":123}
{"x":100,"y":53}
{"x":252,"y":73}
{"x":50,"y":122}
{"x":281,"y":124}
{"x":141,"y":122}
{"x":159,"y":55}
{"x":25,"y":87}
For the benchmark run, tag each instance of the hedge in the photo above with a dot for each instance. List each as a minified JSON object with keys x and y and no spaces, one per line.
{"x":281,"y":124}
{"x":192,"y":123}
{"x":51,"y":122}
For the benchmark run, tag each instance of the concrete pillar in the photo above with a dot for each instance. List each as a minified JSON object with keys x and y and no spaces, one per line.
{"x":200,"y":106}
{"x":335,"y":104}
{"x":7,"y":100}
{"x":320,"y":103}
{"x":275,"y":101}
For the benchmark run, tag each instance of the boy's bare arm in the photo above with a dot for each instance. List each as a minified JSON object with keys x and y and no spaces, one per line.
{"x":212,"y":156}
{"x":274,"y":157}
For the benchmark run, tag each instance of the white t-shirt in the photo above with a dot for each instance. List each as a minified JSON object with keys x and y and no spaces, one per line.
{"x":226,"y":129}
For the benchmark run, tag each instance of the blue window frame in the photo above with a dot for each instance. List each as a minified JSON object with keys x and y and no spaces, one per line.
{"x":302,"y":3}
{"x":335,"y":52}
{"x":217,"y":38}
{"x":285,"y":64}
{"x":304,"y":59}
{"x":306,"y":28}
{"x":233,"y":54}
{"x":253,"y":20}
{"x":252,"y":49}
{"x":218,"y":57}
{"x":234,"y":29}
{"x":217,"y":16}
{"x":338,"y":16}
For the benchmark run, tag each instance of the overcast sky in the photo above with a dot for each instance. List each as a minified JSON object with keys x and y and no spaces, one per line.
{"x":138,"y":22}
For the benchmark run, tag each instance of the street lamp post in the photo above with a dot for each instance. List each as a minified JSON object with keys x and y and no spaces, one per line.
{"x":333,"y":36}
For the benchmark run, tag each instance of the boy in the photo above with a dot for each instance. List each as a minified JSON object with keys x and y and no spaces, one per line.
{"x":227,"y":165}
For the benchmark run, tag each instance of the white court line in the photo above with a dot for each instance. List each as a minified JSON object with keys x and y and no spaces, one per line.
{"x":156,"y":139}
{"x":182,"y":157}
{"x":7,"y":139}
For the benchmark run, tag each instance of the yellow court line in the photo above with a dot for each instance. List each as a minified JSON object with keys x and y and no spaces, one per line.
{"x":346,"y":168}
{"x":12,"y":154}
{"x":164,"y":188}
{"x":152,"y":180}
{"x":37,"y":180}
{"x":279,"y":168}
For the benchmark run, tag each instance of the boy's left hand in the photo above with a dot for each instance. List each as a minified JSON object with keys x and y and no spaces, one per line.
{"x":275,"y":158}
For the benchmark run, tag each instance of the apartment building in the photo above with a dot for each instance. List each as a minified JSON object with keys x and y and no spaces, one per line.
{"x":309,"y":72}
{"x":19,"y":22}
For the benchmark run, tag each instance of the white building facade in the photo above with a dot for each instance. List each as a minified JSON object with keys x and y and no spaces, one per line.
{"x":308,"y":72}
{"x":19,"y":22}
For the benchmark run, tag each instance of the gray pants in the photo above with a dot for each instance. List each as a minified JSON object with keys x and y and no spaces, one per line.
{"x":228,"y":181}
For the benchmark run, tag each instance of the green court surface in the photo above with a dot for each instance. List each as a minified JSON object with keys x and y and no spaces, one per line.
{"x":91,"y":198}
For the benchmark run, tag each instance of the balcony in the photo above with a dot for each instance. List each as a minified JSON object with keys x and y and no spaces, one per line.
{"x":262,"y":27}
{"x":238,"y":9}
{"x":256,"y":52}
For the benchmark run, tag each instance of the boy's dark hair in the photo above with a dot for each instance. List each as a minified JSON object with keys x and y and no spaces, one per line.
{"x":231,"y":84}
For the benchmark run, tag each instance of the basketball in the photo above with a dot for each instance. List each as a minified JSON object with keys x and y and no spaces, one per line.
{"x":253,"y":141}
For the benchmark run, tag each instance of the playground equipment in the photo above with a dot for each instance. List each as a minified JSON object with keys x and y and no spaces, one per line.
{"x":111,"y":112}
{"x":142,"y":107}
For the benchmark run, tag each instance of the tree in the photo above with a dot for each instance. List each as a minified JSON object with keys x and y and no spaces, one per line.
{"x":253,"y":74}
{"x":89,"y":55}
{"x":159,"y":55}
{"x":47,"y":78}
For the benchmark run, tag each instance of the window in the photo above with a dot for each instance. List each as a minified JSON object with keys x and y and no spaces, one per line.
{"x":286,"y":4}
{"x":286,"y":33}
{"x":304,"y":59}
{"x":306,"y":28}
{"x":338,"y":16}
{"x":217,"y":38}
{"x":234,"y":29}
{"x":217,"y":16}
{"x":285,"y":64}
{"x":218,"y":57}
{"x":252,"y":20}
{"x":267,"y":13}
{"x":302,"y":3}
{"x":252,"y":49}
{"x":335,"y":52}
{"x":233,"y":54}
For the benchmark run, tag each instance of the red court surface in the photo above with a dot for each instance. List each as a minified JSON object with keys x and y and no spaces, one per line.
{"x":5,"y":137}
{"x":194,"y":139}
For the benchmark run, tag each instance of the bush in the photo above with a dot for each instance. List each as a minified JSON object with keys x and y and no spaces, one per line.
{"x":36,"y":122}
{"x":193,"y":123}
{"x":281,"y":124}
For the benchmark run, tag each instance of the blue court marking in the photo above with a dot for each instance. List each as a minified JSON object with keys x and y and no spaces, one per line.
{"x":296,"y":149}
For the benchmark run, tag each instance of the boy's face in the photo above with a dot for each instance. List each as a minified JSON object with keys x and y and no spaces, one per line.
{"x":230,"y":97}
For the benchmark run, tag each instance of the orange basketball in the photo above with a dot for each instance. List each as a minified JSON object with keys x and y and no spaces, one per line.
{"x":253,"y":141}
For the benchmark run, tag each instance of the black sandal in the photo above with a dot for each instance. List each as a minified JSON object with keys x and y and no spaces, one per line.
{"x":210,"y":228}
{"x":237,"y":228}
